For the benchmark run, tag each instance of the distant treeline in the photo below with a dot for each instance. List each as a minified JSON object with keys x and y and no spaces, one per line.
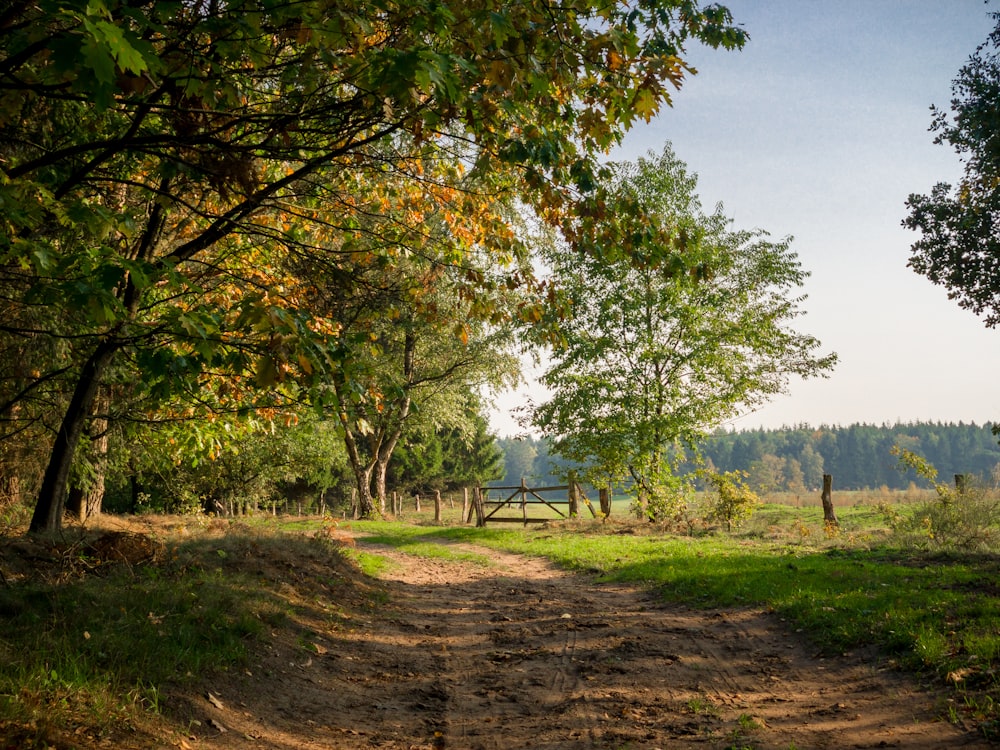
{"x":795,"y":459}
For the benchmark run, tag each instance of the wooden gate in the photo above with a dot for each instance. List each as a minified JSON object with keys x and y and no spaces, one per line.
{"x":522,"y":498}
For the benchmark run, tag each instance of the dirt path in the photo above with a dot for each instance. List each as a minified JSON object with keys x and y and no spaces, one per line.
{"x":520,"y":655}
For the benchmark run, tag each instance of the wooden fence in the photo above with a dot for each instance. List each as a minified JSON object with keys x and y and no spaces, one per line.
{"x":522,"y":498}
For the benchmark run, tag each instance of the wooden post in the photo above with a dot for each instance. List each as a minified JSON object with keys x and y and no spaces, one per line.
{"x":465,"y":505}
{"x":605,"y":501}
{"x":477,"y":502}
{"x":574,"y":499}
{"x":416,"y":501}
{"x":397,"y":507}
{"x":828,"y":514}
{"x":437,"y":506}
{"x":960,"y":483}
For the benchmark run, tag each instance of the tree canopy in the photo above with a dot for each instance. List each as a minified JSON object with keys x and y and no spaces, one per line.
{"x":175,"y":176}
{"x":661,"y":350}
{"x":959,"y":247}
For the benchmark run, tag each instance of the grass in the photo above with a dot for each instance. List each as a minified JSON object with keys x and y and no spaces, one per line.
{"x":936,"y":613}
{"x":93,"y":646}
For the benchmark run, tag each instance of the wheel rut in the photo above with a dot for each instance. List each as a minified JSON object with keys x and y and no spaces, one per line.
{"x":517,"y":654}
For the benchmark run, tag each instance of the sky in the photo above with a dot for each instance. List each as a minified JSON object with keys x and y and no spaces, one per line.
{"x":819,"y":130}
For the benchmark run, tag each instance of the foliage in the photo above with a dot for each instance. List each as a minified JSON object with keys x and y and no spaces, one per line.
{"x":734,"y":502}
{"x":959,"y":246}
{"x":519,"y":460}
{"x":858,"y":456}
{"x":964,"y":517}
{"x":448,"y":458}
{"x":172,"y":173}
{"x":660,"y":351}
{"x":225,"y":466}
{"x":665,"y":497}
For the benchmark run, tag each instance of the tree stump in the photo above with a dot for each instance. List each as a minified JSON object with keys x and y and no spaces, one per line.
{"x":828,"y":515}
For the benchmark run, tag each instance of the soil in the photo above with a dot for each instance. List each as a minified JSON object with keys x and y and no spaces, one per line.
{"x":517,"y":654}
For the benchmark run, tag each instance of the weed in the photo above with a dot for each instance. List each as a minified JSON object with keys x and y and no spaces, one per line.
{"x":748,"y":723}
{"x":701,"y":705}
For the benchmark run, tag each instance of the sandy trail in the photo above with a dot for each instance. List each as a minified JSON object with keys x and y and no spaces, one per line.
{"x":518,"y":654}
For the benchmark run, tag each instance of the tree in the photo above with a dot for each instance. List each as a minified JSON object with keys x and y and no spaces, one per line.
{"x":151,"y":149}
{"x":661,"y":351}
{"x":229,"y":466}
{"x":449,"y":457}
{"x":768,"y":474}
{"x":811,"y":463}
{"x":519,"y":459}
{"x":960,"y":244}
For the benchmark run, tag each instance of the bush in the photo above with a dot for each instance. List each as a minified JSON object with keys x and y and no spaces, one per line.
{"x":733,"y":502}
{"x":964,"y":518}
{"x":664,"y":502}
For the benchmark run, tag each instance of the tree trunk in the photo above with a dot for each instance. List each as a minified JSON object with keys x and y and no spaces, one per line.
{"x":961,"y":483}
{"x":366,"y":500}
{"x":828,"y":515}
{"x":85,"y":502}
{"x":55,"y":483}
{"x":10,"y":489}
{"x":381,"y":471}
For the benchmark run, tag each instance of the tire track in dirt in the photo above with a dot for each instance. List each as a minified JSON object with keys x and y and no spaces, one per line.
{"x":518,"y":654}
{"x":549,"y":659}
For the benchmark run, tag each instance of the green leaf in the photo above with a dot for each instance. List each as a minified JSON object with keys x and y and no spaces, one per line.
{"x":97,"y":57}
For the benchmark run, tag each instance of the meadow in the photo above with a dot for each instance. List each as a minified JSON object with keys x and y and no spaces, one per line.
{"x":97,"y":643}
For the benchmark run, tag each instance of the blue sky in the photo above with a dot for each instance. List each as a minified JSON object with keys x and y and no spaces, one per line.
{"x":818,"y":129}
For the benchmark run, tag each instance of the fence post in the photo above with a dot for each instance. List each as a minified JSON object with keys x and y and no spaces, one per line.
{"x":828,"y":514}
{"x":477,"y":502}
{"x":574,"y":500}
{"x":605,"y":498}
{"x":465,"y":505}
{"x":961,"y":483}
{"x":437,"y":506}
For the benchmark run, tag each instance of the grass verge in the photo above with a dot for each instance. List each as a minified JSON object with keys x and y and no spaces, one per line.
{"x":89,"y":647}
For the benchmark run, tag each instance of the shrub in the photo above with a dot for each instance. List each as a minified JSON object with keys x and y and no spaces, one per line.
{"x":965,"y":517}
{"x":733,"y":502}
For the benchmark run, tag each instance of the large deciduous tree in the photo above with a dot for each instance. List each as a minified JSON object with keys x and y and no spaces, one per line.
{"x":150,"y":151}
{"x":959,"y":247}
{"x":660,"y":352}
